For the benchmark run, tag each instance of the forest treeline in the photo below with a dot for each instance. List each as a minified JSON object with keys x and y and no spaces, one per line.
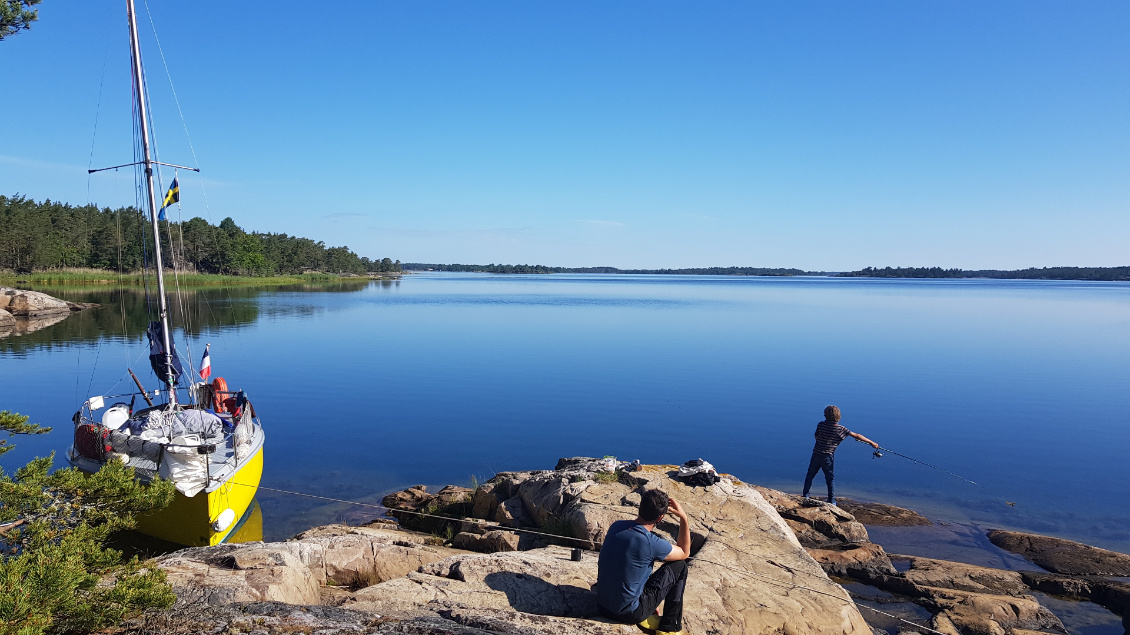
{"x":701,"y":271}
{"x":52,"y":235}
{"x":1032,"y":273}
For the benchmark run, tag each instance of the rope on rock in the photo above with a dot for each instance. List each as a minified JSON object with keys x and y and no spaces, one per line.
{"x":586,"y":541}
{"x":794,"y":585}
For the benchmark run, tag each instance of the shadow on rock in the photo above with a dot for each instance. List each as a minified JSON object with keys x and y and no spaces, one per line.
{"x":531,"y":594}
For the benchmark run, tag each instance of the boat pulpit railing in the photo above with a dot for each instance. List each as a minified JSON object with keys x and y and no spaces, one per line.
{"x":108,"y":439}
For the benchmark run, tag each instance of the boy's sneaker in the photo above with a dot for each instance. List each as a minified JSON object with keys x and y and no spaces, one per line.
{"x":651,"y":623}
{"x":668,"y":632}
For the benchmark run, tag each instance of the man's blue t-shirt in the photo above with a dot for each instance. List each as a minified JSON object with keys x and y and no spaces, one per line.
{"x":625,"y":563}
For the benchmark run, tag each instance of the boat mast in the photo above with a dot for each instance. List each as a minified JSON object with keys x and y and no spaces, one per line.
{"x":138,"y":82}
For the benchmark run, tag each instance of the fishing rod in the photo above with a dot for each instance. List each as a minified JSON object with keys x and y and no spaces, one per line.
{"x":878,"y":454}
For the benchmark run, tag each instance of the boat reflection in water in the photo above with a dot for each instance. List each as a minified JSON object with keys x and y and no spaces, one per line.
{"x":250,"y":527}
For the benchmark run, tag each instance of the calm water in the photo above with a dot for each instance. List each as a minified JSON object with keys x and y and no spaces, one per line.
{"x":1017,"y":385}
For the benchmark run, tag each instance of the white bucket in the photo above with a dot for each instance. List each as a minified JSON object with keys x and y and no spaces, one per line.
{"x":116,"y":416}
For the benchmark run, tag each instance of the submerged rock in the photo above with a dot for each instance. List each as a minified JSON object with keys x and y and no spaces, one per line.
{"x":1062,"y":556}
{"x":882,"y":515}
{"x":1110,"y":594}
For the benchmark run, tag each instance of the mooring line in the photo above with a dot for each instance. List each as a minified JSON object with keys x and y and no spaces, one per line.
{"x":586,"y":541}
{"x":801,"y":586}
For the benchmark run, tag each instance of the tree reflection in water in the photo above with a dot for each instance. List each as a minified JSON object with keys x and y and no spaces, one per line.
{"x":125,"y":313}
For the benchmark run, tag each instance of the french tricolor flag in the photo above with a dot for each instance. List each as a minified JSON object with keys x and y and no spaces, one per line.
{"x":206,"y":364}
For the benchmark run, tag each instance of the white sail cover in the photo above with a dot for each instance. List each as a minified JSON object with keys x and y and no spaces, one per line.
{"x":185,"y":466}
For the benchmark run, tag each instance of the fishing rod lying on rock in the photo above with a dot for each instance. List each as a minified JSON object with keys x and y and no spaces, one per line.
{"x":586,"y":542}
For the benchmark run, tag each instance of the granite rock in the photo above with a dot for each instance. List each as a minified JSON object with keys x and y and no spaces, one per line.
{"x":988,"y":614}
{"x":928,"y":572}
{"x":1062,"y":556}
{"x":749,"y":574}
{"x":296,"y":571}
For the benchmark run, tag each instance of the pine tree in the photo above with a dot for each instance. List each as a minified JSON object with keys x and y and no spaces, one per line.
{"x":56,"y":573}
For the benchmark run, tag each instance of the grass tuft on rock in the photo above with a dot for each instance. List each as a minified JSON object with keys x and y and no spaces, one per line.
{"x":606,"y":477}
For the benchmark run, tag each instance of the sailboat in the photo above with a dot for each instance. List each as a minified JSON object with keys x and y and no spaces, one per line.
{"x":205,"y":438}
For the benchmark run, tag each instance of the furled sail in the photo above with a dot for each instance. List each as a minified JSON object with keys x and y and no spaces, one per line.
{"x":157,"y":358}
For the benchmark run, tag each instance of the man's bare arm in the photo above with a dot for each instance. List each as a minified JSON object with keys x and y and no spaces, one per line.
{"x":682,"y":548}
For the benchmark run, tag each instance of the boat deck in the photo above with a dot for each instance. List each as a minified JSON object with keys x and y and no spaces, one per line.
{"x":220,"y":462}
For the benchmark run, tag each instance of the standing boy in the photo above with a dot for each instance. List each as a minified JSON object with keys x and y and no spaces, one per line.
{"x":829,"y":433}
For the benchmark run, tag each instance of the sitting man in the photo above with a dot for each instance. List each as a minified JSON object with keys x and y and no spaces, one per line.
{"x":627,"y":591}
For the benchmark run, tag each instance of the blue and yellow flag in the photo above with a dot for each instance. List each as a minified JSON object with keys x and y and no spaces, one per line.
{"x":172,"y":196}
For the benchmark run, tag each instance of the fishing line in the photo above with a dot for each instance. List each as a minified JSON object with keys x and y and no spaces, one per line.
{"x":935,"y":467}
{"x":879,"y":454}
{"x":585,"y":541}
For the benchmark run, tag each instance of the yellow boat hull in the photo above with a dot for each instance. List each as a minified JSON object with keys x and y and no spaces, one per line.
{"x":250,"y":529}
{"x":188,"y":521}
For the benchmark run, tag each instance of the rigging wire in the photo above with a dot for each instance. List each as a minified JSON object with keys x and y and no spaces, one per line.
{"x":203,"y":190}
{"x":94,"y":368}
{"x":138,"y":180}
{"x":161,"y":52}
{"x":121,"y":286}
{"x":89,"y":163}
{"x":97,"y":114}
{"x":586,"y":542}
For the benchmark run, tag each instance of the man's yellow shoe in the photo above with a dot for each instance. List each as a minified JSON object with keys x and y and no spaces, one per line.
{"x":651,"y":623}
{"x":668,"y":632}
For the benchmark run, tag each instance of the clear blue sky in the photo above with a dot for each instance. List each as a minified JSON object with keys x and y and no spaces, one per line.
{"x":818,"y":135}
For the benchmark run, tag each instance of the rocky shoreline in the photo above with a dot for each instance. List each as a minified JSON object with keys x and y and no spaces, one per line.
{"x":23,"y":311}
{"x":497,"y":559}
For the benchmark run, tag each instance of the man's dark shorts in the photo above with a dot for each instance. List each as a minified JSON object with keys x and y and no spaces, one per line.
{"x":664,"y":586}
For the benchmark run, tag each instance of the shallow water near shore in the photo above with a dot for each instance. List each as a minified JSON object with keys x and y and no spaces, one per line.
{"x":365,"y":388}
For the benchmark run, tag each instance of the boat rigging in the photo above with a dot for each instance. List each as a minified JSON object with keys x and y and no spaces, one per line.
{"x":205,"y":440}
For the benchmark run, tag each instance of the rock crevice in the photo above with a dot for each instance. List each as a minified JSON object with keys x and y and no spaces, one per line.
{"x":761,"y":564}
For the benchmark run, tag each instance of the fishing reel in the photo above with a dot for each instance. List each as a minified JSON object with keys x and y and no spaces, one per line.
{"x":876,"y":454}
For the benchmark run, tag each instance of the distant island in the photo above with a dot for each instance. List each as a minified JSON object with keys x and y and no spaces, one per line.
{"x":1032,"y":273}
{"x":694,"y":271}
{"x":82,"y":242}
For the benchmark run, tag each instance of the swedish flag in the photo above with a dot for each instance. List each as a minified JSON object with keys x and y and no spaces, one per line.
{"x":172,"y":196}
